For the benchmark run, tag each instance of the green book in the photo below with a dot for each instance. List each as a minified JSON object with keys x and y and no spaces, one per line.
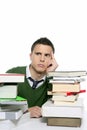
{"x":18,"y":100}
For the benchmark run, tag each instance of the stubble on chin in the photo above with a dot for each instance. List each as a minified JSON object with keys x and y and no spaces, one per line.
{"x":38,"y":71}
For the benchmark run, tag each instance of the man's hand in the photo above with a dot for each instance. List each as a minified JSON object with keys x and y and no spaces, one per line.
{"x":52,"y":64}
{"x":35,"y":111}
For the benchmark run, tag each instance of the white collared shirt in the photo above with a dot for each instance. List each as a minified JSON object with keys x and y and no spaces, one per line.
{"x":28,"y":74}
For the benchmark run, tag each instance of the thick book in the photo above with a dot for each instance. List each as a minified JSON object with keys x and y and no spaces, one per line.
{"x":64,"y":121}
{"x":65,"y":87}
{"x":67,"y":73}
{"x":8,"y":91}
{"x":51,"y":110}
{"x":70,"y":98}
{"x":11,"y":78}
{"x":11,"y":114}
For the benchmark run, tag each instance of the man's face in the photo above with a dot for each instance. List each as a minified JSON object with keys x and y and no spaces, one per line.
{"x":40,"y":57}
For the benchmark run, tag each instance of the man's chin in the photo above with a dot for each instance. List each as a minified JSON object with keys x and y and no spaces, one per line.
{"x":41,"y":72}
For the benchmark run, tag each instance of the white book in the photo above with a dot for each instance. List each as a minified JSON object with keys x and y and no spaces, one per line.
{"x":67,"y":73}
{"x":66,"y":80}
{"x":70,"y":98}
{"x":8,"y":91}
{"x":51,"y":110}
{"x":11,"y":114}
{"x":11,"y":77}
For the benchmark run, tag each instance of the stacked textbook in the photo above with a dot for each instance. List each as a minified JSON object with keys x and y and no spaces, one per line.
{"x":65,"y":108}
{"x":12,"y":106}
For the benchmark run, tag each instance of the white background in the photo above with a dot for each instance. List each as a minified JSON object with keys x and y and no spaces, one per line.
{"x":64,"y":22}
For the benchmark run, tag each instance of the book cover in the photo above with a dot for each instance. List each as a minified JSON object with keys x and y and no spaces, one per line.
{"x":10,"y":114}
{"x":8,"y":91}
{"x":66,"y":80}
{"x":11,"y":77}
{"x":57,"y":93}
{"x":64,"y":121}
{"x":68,"y":87}
{"x":23,"y":107}
{"x":13,"y":101}
{"x":51,"y":110}
{"x":70,"y":98}
{"x":67,"y":73}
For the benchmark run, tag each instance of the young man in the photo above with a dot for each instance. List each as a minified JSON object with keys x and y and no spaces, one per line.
{"x":42,"y":61}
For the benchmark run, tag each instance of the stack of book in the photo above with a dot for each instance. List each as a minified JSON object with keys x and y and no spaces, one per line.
{"x":65,"y":107}
{"x":11,"y":106}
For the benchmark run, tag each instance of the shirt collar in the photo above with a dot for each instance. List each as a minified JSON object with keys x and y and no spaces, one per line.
{"x":28,"y":74}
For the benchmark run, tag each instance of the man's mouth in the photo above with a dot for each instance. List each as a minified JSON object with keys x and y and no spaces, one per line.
{"x":41,"y":65}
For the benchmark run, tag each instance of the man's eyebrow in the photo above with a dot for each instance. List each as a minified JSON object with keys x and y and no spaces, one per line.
{"x":38,"y":52}
{"x":47,"y":54}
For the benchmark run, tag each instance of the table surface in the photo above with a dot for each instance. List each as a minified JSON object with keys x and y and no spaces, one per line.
{"x":40,"y":123}
{"x":27,"y":123}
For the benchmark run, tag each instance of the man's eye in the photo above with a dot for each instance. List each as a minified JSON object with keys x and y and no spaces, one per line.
{"x":47,"y":55}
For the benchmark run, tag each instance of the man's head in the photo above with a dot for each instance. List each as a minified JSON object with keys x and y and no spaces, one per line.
{"x":43,"y":41}
{"x":41,"y":55}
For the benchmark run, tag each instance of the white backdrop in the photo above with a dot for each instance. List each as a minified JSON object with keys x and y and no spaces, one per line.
{"x":64,"y":22}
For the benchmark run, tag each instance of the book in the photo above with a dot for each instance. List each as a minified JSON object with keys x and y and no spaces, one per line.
{"x":13,"y":101}
{"x":8,"y":91}
{"x":67,"y":73}
{"x":65,"y":93}
{"x":66,"y":80}
{"x":11,"y":77}
{"x":62,"y":103}
{"x":10,"y":114}
{"x":57,"y":93}
{"x":65,"y":110}
{"x":64,"y":121}
{"x":23,"y":107}
{"x":66,"y":87}
{"x":70,"y":98}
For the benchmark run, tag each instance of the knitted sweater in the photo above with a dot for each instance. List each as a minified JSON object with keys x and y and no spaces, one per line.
{"x":35,"y":97}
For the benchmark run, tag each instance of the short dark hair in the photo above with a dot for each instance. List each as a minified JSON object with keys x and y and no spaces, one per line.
{"x":44,"y":41}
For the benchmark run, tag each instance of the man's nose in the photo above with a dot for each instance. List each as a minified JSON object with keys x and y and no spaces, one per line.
{"x":42,"y":58}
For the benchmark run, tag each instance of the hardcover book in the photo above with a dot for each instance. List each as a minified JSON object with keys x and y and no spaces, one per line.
{"x":11,"y":77}
{"x":64,"y":121}
{"x":13,"y":101}
{"x":10,"y":114}
{"x":67,"y":73}
{"x":70,"y":98}
{"x":65,"y":87}
{"x":75,"y":110}
{"x":8,"y":91}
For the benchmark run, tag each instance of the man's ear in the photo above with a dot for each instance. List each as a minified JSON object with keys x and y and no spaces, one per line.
{"x":30,"y":55}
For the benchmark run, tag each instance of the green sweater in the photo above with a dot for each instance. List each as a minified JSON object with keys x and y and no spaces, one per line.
{"x":35,"y":97}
